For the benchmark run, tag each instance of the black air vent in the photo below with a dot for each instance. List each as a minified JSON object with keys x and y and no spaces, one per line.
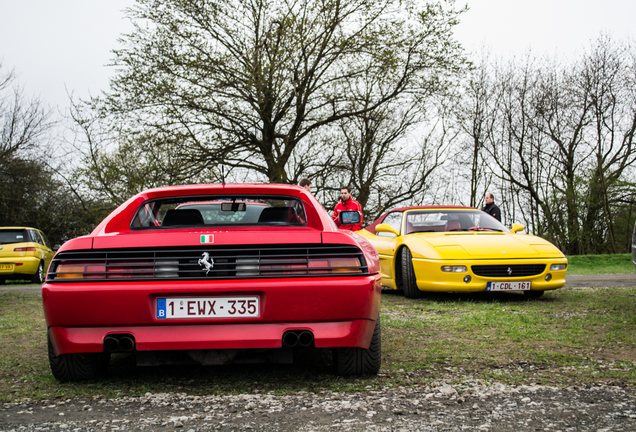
{"x":508,"y":271}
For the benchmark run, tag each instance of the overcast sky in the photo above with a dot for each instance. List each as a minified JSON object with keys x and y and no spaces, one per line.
{"x":57,"y":46}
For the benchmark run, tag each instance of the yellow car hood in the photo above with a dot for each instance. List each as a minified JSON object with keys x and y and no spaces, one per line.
{"x":489,"y":246}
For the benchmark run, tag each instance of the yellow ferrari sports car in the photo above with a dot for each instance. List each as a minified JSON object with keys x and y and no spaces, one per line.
{"x":461,"y":249}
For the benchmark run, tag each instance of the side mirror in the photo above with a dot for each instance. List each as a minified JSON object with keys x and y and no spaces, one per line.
{"x":349,"y":217}
{"x":517,"y":228}
{"x":386,"y":228}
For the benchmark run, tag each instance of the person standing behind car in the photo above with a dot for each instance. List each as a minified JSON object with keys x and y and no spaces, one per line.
{"x":491,"y":208}
{"x":306,"y":183}
{"x":347,"y":203}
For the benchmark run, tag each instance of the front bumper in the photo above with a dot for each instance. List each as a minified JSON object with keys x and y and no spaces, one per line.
{"x":430,"y":277}
{"x":340,"y":312}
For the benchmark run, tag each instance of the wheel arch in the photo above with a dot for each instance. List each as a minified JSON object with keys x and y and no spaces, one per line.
{"x":398,"y":266}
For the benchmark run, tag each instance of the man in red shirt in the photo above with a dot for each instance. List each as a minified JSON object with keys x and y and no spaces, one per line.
{"x":347,"y":203}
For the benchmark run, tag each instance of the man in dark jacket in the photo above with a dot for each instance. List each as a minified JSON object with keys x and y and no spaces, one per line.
{"x":347,"y":203}
{"x":491,"y":208}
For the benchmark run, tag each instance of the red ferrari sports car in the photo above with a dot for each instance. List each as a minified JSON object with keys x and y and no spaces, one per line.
{"x":213,"y":274}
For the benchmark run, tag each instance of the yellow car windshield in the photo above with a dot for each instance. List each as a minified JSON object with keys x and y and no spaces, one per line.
{"x":451,"y":220}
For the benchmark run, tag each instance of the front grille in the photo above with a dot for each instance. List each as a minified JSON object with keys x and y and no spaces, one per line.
{"x":508,"y":271}
{"x":204,"y":263}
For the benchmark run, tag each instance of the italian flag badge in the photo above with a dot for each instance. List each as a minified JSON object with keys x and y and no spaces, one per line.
{"x":209,"y":238}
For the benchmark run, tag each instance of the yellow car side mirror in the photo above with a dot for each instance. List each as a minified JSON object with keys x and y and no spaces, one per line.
{"x":517,"y":227}
{"x":386,"y":228}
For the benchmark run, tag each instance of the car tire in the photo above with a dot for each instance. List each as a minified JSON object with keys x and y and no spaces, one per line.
{"x":77,"y":367}
{"x":38,"y":277}
{"x":409,"y":282}
{"x":360,"y":361}
{"x":533,"y":294}
{"x":2,"y":281}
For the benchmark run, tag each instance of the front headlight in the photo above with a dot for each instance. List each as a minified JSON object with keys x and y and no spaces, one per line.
{"x":555,"y":267}
{"x":454,"y":269}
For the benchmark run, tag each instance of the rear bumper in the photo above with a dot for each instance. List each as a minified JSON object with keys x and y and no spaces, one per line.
{"x":340,"y":312}
{"x":354,"y":333}
{"x":25,"y":266}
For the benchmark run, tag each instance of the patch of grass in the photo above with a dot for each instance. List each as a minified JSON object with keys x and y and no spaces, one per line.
{"x":567,"y":337}
{"x":600,"y":264}
{"x":491,"y":335}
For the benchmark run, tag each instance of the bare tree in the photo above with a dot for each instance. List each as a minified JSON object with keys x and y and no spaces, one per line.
{"x":23,"y":122}
{"x":116,"y":163}
{"x":383,"y":160}
{"x":561,"y":144}
{"x":608,"y":78}
{"x":477,"y":116}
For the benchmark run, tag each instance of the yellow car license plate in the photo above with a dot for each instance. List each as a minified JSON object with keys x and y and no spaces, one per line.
{"x":509,"y":286}
{"x":6,"y":267}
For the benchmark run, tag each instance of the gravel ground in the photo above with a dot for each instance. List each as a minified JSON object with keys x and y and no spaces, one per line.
{"x":472,"y":406}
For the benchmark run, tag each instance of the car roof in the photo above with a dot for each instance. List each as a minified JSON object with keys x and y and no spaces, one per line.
{"x":17,"y":227}
{"x":229,"y":189}
{"x":429,"y":207}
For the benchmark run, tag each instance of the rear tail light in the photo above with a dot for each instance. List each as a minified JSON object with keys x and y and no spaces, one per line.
{"x":79,"y":270}
{"x":313,"y":266}
{"x":130,"y":269}
{"x":99,"y":270}
{"x":24,"y":249}
{"x":344,"y":265}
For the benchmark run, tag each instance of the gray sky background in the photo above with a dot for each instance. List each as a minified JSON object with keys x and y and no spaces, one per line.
{"x":60,"y":46}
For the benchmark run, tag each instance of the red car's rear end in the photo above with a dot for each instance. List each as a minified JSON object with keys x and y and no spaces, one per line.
{"x":213,"y":273}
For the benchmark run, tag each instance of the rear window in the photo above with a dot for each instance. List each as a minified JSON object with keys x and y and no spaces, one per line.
{"x":186,"y":212}
{"x":14,"y":236}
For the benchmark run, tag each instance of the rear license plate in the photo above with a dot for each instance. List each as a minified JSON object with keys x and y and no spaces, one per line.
{"x":508,"y":286}
{"x":208,"y":307}
{"x":6,"y":266}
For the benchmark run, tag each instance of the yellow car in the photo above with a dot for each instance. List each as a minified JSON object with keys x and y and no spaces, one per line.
{"x":25,"y":253}
{"x":461,"y":249}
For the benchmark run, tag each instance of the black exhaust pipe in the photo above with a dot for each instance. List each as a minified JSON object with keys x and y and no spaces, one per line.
{"x":127,"y":343}
{"x":116,"y":343}
{"x":305,"y":338}
{"x":111,"y":344}
{"x":290,"y":339}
